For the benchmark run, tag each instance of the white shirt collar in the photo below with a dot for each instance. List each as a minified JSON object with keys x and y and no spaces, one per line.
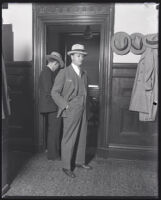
{"x":76,"y":69}
{"x":49,"y":67}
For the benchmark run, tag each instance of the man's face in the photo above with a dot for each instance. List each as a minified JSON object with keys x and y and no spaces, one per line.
{"x":77,"y":59}
{"x":54,"y":65}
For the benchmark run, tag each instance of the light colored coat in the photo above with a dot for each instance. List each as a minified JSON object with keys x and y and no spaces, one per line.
{"x":144,"y":98}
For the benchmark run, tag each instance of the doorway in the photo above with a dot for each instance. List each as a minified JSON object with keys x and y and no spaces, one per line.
{"x":71,"y":21}
{"x":61,"y":38}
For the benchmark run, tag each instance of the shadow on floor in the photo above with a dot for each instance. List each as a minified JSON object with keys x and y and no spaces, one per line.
{"x":91,"y":148}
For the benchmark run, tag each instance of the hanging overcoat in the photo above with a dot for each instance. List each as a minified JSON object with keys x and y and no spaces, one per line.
{"x":144,"y":98}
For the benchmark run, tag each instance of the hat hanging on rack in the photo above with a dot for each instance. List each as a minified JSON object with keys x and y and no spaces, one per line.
{"x":151,"y":40}
{"x":137,"y":46}
{"x":121,"y":43}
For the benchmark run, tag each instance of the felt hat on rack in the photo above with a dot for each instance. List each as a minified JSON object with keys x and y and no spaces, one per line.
{"x":151,"y":40}
{"x":77,"y":48}
{"x":121,"y":43}
{"x":137,"y":46}
{"x":55,"y":56}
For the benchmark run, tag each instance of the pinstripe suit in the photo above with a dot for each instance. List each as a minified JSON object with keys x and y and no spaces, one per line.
{"x":70,"y":89}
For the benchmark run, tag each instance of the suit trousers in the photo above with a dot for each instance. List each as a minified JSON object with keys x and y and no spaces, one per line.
{"x":74,"y":137}
{"x":53,"y":137}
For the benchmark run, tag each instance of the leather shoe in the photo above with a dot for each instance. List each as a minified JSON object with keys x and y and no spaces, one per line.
{"x":69,"y":173}
{"x":84,"y":166}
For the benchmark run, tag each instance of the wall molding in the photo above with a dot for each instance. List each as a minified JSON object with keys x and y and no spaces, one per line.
{"x":136,"y":153}
{"x":80,"y":14}
{"x":127,"y":152}
{"x":73,"y":9}
{"x":124,"y":65}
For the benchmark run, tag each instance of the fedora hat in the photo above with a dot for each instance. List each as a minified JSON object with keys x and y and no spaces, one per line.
{"x":151,"y":40}
{"x":121,"y":43}
{"x":55,"y":56}
{"x":77,"y":48}
{"x":137,"y":46}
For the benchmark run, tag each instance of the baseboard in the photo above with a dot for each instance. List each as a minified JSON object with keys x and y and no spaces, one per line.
{"x":21,"y":144}
{"x":128,"y":152}
{"x":21,"y":148}
{"x":118,"y":152}
{"x":102,"y":152}
{"x":39,"y":148}
{"x":5,"y":189}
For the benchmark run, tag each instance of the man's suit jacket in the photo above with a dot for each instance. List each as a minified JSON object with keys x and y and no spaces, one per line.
{"x":46,"y":81}
{"x":65,"y":88}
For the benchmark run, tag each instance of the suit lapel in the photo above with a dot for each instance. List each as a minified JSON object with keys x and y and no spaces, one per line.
{"x":75,"y":77}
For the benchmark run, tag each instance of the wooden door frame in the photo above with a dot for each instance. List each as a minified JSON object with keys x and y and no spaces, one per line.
{"x":80,"y":14}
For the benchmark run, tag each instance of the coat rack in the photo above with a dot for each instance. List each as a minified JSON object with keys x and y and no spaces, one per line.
{"x":136,"y":43}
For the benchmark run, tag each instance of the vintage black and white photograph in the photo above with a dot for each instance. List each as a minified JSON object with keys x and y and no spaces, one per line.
{"x":79,"y":99}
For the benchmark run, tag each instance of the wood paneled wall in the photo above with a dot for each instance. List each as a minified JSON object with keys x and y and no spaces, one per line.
{"x":20,"y":83}
{"x":127,"y":134}
{"x":20,"y":124}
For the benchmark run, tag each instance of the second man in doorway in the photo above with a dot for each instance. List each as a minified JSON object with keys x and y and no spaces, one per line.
{"x":48,"y":108}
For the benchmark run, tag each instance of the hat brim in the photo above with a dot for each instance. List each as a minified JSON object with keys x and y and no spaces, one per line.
{"x":117,"y":51}
{"x":148,"y":42}
{"x":133,"y":49}
{"x":52,"y":57}
{"x":72,"y":52}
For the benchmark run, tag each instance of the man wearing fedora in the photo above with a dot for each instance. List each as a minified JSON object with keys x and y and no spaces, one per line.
{"x":69,"y":93}
{"x":47,"y":106}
